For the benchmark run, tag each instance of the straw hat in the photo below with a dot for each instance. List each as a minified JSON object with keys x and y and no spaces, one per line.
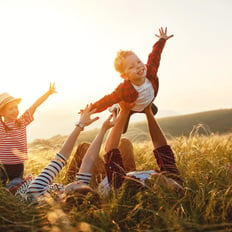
{"x":6,"y":98}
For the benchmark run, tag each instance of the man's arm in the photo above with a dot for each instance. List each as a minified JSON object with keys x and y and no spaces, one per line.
{"x":157,"y":135}
{"x":116,"y":132}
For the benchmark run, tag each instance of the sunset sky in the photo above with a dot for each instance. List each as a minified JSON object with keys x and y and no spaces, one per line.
{"x":73,"y":43}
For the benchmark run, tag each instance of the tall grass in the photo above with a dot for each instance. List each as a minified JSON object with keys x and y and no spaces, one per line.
{"x":205,"y":162}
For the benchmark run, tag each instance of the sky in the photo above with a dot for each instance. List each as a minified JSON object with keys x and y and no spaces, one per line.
{"x":73,"y":43}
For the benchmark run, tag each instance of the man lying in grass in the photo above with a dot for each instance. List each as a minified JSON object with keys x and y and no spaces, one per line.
{"x":119,"y":167}
{"x":163,"y":153}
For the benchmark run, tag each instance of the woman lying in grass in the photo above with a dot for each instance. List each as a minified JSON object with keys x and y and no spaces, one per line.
{"x":34,"y":189}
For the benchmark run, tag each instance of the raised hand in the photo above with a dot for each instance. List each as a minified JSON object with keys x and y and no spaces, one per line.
{"x":163,"y":34}
{"x":52,"y":88}
{"x":85,"y":116}
{"x":109,"y":122}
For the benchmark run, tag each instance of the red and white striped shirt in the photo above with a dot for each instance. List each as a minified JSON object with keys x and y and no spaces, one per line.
{"x":13,"y":142}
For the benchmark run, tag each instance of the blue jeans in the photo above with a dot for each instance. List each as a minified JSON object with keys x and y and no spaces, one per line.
{"x":11,"y":171}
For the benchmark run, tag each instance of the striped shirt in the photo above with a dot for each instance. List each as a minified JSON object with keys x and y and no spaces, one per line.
{"x":41,"y":185}
{"x":34,"y":189}
{"x":13,"y":141}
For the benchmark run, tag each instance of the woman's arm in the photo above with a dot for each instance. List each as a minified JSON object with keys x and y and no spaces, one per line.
{"x":85,"y":120}
{"x":40,"y":185}
{"x":94,"y":149}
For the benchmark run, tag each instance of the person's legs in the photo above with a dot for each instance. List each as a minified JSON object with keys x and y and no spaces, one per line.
{"x":14,"y":170}
{"x":166,"y":162}
{"x":75,"y":163}
{"x":12,"y":173}
{"x":127,"y":153}
{"x":162,"y":151}
{"x":98,"y":170}
{"x":114,"y":168}
{"x":3,"y":175}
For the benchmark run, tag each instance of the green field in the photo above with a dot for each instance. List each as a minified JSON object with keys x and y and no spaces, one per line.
{"x":204,"y":157}
{"x":206,"y":123}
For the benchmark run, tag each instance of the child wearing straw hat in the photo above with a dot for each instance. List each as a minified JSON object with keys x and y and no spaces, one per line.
{"x":13,"y":138}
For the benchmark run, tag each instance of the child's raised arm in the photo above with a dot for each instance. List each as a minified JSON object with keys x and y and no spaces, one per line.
{"x":154,"y":57}
{"x":163,"y":34}
{"x":40,"y":100}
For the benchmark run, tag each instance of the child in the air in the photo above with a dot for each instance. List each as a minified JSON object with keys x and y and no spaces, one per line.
{"x":141,"y":82}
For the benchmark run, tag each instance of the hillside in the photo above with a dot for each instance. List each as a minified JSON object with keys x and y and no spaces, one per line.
{"x":216,"y":121}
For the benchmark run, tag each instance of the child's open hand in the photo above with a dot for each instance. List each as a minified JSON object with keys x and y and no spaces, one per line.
{"x":52,"y":88}
{"x":163,"y":34}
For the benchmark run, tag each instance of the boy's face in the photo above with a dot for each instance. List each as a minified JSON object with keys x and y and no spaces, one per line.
{"x":134,"y":69}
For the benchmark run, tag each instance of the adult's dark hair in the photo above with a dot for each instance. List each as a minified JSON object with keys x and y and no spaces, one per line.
{"x":82,"y":196}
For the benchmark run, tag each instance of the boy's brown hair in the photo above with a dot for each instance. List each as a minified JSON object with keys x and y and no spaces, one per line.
{"x":119,"y":60}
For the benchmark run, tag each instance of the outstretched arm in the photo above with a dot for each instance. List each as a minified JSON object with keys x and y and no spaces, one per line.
{"x":157,"y":136}
{"x":106,"y":101}
{"x":154,"y":57}
{"x":116,"y":132}
{"x":85,"y":120}
{"x":163,"y":34}
{"x":40,"y":185}
{"x":39,"y":101}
